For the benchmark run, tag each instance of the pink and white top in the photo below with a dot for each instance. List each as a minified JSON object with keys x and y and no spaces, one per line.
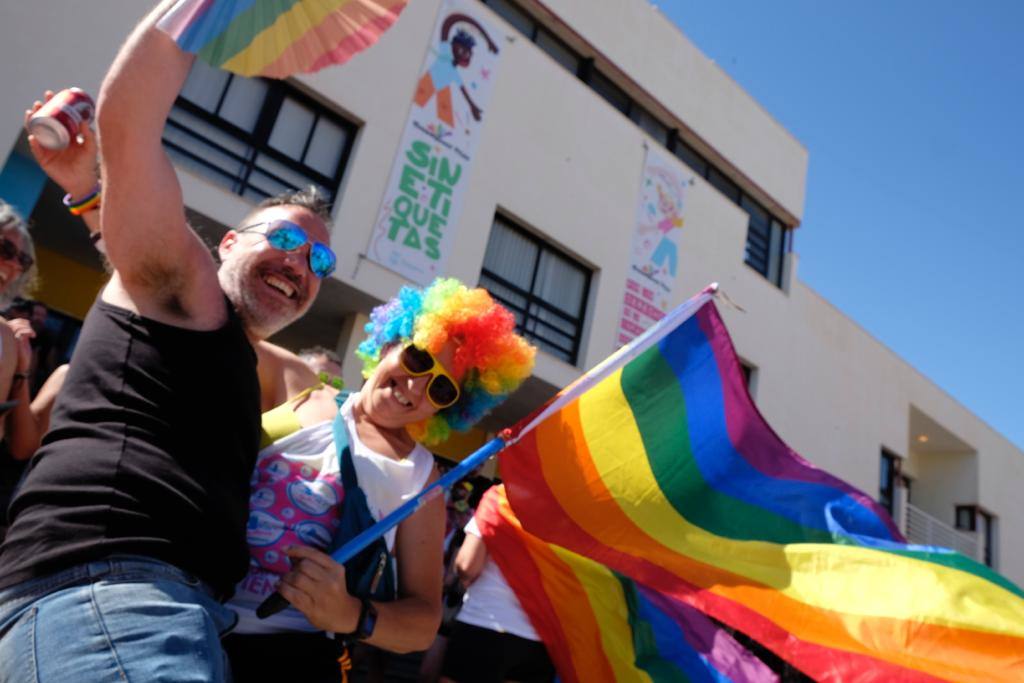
{"x":296,"y":499}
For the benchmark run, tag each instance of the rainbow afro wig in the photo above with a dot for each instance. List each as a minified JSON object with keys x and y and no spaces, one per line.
{"x":491,"y":357}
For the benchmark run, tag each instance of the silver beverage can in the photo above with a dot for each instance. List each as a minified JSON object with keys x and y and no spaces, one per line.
{"x":62,"y":119}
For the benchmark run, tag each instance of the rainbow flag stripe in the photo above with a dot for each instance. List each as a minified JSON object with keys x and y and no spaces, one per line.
{"x":601,"y":626}
{"x":664,"y":471}
{"x":278,"y":38}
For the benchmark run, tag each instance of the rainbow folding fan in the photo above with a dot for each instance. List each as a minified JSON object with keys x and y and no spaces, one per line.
{"x":278,"y":38}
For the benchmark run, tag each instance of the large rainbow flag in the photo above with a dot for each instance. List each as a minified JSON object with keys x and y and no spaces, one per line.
{"x":601,"y":626}
{"x":278,"y":38}
{"x":658,"y":466}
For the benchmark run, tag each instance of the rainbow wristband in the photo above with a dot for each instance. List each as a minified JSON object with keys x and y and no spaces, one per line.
{"x":87,"y":203}
{"x":88,"y":206}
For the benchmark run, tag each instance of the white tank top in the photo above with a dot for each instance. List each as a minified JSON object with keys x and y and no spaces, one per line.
{"x":309,"y":457}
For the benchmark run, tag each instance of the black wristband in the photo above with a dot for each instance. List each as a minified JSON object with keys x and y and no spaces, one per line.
{"x":367,"y":621}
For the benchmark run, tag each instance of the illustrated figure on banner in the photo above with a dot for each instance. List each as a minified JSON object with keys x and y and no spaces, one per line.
{"x":454,"y":54}
{"x":664,"y":218}
{"x":423,"y":199}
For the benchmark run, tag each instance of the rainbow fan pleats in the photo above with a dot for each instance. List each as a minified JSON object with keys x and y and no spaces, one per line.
{"x":601,"y":626}
{"x":278,"y":38}
{"x":665,"y":472}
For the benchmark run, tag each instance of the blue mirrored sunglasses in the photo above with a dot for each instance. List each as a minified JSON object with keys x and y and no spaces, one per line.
{"x":288,"y":236}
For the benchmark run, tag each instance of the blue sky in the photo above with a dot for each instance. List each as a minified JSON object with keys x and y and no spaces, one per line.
{"x":911,"y":112}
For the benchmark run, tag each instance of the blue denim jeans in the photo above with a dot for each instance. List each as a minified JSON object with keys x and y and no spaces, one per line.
{"x":119,"y":619}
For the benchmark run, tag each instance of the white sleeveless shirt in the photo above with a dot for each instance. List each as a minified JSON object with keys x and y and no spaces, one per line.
{"x":302,"y":468}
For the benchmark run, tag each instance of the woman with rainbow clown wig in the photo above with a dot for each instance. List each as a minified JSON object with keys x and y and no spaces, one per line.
{"x":435,"y":359}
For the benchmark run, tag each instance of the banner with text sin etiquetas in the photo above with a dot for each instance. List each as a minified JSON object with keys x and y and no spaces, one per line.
{"x":654,"y":260}
{"x":416,"y":224}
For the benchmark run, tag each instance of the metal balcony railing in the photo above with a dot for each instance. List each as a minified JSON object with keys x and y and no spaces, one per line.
{"x":924,"y":529}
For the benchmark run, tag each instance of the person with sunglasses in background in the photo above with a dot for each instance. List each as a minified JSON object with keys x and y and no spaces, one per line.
{"x":17,"y":271}
{"x":128,"y":531}
{"x":20,"y":439}
{"x":435,"y":360}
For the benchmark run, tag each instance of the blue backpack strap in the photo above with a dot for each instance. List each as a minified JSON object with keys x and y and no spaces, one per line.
{"x":370,"y":573}
{"x":348,"y":470}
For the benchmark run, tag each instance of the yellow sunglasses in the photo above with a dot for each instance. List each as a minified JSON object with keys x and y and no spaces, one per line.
{"x":442,"y":390}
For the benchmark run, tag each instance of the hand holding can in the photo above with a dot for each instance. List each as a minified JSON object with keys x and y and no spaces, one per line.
{"x":75,"y":167}
{"x":62,"y":119}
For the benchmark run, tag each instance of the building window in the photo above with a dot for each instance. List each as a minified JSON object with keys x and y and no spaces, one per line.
{"x":723,"y":184}
{"x":557,"y":50}
{"x":965,"y":520}
{"x":750,"y":377}
{"x":544,"y":288}
{"x":688,"y":156}
{"x":257,"y":137}
{"x":611,"y":93}
{"x":748,"y":372}
{"x":650,"y":124}
{"x":973,"y":518}
{"x":519,"y":19}
{"x":765,"y":247}
{"x":988,"y":524}
{"x":888,"y":472}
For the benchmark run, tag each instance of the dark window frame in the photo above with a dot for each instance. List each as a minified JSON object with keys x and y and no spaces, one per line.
{"x":889,"y":472}
{"x":258,"y":140}
{"x":907,"y":483}
{"x":533,"y":300}
{"x":978,"y":517}
{"x":965,"y":517}
{"x":988,"y":538}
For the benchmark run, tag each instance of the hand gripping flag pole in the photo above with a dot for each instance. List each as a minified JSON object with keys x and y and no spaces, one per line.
{"x":277,"y":602}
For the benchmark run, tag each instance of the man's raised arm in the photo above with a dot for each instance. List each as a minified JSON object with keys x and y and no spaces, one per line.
{"x":161,"y":264}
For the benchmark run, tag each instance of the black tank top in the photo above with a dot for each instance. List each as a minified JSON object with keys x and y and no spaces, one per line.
{"x":152,"y":444}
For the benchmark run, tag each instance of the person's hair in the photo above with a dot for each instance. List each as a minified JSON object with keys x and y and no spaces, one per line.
{"x":308,"y":198}
{"x":10,"y":221}
{"x":464,"y":39}
{"x":490,"y":356}
{"x":312,"y":352}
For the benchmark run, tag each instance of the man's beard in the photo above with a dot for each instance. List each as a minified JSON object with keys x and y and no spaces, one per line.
{"x":260,"y":318}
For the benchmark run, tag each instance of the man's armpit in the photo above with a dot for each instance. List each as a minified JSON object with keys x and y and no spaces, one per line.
{"x":166,"y":285}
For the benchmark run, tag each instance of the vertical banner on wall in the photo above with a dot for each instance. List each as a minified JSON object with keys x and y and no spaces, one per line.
{"x":415,"y":226}
{"x":654,"y":259}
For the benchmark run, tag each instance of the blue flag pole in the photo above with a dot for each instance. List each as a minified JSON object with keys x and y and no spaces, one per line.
{"x":276,"y":602}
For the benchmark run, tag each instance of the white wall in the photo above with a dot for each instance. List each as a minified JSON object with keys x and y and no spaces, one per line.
{"x":942,"y":481}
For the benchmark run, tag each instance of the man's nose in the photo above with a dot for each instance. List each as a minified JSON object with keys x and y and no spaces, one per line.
{"x":298,"y":258}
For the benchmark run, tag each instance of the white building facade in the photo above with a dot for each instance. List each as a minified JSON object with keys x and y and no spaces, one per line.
{"x":583,"y":90}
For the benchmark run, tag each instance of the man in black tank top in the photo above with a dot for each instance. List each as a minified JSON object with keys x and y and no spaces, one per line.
{"x":129,"y":528}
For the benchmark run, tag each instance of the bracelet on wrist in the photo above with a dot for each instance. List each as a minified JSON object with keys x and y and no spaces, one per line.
{"x":367,"y":622}
{"x":81,"y":205}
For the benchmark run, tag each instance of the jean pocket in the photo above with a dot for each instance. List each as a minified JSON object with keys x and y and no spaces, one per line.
{"x":18,"y":649}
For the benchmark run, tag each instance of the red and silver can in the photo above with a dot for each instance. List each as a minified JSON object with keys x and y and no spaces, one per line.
{"x":62,"y":119}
